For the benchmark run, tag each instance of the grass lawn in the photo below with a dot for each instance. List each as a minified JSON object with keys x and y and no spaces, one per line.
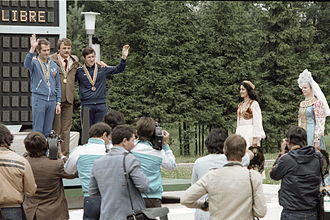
{"x":185,"y":172}
{"x":178,"y":173}
{"x":191,"y":159}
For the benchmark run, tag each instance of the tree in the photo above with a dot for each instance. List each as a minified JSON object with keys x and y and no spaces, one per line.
{"x":188,"y":58}
{"x":75,"y":27}
{"x":76,"y":32}
{"x":318,"y":15}
{"x":286,"y":47}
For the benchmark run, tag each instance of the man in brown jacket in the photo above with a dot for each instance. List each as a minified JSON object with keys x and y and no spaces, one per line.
{"x":68,"y":65}
{"x":49,"y":197}
{"x":16,"y":178}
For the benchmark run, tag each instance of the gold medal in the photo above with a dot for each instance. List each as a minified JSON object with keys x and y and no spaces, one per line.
{"x":45,"y":70}
{"x":91,"y":80}
{"x":65,"y":81}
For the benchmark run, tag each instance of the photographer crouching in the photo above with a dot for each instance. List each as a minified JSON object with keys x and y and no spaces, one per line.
{"x":299,"y":168}
{"x":153,"y":151}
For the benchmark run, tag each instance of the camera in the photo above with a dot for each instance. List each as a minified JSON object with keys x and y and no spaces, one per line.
{"x":157,"y":139}
{"x":53,"y":141}
{"x":205,"y":205}
{"x":286,"y":148}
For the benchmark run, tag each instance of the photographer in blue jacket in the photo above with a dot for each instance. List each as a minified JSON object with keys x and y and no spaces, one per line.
{"x":153,"y":156}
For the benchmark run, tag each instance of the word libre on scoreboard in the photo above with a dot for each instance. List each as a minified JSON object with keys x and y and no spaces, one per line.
{"x":23,"y":16}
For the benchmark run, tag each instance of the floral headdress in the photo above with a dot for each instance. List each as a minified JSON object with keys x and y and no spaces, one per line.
{"x":249,"y":83}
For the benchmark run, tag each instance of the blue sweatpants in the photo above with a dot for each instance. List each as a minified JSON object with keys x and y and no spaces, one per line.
{"x":43,"y":112}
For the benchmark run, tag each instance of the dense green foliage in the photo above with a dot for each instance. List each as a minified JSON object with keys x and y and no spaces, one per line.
{"x":188,"y":58}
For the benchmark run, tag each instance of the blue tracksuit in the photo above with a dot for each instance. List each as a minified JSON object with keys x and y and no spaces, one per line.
{"x":95,"y":100}
{"x":44,"y":97}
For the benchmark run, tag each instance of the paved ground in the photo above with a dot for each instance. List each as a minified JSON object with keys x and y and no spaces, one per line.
{"x":179,"y":212}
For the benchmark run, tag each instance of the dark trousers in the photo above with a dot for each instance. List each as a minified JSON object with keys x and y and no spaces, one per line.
{"x":62,"y":126}
{"x":12,"y":213}
{"x":92,"y":205}
{"x":96,"y":112}
{"x":154,"y":203}
{"x":299,"y":215}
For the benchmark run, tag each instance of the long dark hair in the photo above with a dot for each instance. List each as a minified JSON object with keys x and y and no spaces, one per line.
{"x":251,"y":92}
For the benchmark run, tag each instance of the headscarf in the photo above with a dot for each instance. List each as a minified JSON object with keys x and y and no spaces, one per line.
{"x":306,"y":77}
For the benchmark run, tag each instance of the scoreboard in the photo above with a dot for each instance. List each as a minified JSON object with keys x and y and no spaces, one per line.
{"x":19,"y":19}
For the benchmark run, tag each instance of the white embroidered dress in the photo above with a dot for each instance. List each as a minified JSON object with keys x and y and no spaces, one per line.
{"x":249,"y":122}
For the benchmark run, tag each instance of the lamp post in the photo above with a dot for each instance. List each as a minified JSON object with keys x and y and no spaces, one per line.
{"x":90,"y":25}
{"x":90,"y":30}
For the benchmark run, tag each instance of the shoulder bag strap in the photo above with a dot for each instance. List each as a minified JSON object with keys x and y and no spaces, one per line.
{"x":251,"y":188}
{"x":126,"y":178}
{"x":106,"y":148}
{"x":321,"y":173}
{"x":324,"y":191}
{"x":252,"y":195}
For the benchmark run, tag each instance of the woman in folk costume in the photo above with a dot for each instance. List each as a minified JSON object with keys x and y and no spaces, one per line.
{"x":249,"y":118}
{"x":313,"y":110}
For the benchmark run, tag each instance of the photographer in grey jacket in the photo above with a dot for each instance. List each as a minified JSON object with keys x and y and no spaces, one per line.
{"x":108,"y":178}
{"x":300,"y":172}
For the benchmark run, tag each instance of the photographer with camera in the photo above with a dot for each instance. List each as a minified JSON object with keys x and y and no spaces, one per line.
{"x":48,"y":174}
{"x":154,"y":152}
{"x":215,"y":159}
{"x":299,"y":168}
{"x":234,"y":192}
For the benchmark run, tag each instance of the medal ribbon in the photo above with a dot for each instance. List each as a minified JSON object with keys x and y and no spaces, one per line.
{"x":92,"y":81}
{"x":65,"y":74}
{"x":45,"y":70}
